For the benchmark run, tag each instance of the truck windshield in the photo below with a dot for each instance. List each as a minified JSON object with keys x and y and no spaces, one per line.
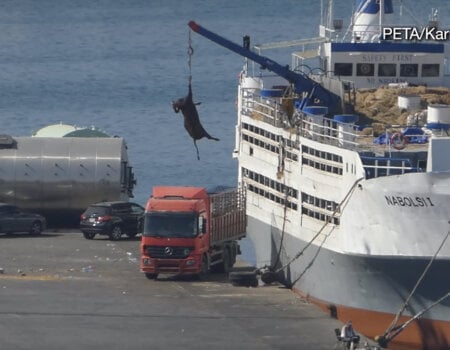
{"x":170,"y":225}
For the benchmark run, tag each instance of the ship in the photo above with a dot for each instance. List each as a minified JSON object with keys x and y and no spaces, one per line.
{"x":355,"y":220}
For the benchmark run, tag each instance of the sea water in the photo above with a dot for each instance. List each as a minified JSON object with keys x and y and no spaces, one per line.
{"x":118,"y":64}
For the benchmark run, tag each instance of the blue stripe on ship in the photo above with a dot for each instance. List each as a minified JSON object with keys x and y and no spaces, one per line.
{"x":373,"y":6}
{"x":387,"y":47}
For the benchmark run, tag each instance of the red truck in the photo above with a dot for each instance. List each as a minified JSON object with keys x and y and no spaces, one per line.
{"x":188,"y":230}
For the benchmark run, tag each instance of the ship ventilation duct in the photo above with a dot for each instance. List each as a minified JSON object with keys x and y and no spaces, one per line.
{"x":368,"y":19}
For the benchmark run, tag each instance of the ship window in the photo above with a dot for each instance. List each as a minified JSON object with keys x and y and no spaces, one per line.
{"x":409,"y":70}
{"x":266,"y":187}
{"x":387,"y":70}
{"x":430,"y":70}
{"x":365,"y":69}
{"x":344,"y":69}
{"x":320,"y":209}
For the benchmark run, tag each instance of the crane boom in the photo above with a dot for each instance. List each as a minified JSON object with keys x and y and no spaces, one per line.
{"x":317,"y":94}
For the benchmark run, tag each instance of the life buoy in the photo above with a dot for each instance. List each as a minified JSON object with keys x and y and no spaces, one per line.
{"x":398,"y":140}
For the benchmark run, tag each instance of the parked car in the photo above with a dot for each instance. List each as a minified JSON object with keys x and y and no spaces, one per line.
{"x":112,"y":219}
{"x":13,"y":219}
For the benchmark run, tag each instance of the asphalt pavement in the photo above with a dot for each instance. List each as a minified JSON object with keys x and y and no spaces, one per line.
{"x":61,"y":291}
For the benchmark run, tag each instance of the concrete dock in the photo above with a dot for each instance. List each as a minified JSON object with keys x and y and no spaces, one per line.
{"x":61,"y":291}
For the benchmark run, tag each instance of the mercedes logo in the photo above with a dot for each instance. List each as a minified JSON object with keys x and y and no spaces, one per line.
{"x":168,"y":251}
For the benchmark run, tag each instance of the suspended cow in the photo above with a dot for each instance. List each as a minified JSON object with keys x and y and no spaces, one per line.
{"x":191,"y":120}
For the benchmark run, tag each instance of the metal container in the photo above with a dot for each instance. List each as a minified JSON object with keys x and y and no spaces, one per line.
{"x":61,"y":176}
{"x":408,"y":102}
{"x":438,"y":113}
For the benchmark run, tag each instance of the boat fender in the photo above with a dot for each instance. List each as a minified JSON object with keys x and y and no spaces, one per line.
{"x":243,"y":278}
{"x":399,"y":141}
{"x":268,"y":276}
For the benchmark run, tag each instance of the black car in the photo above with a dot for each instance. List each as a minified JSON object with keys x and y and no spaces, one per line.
{"x":13,"y":219}
{"x":112,"y":219}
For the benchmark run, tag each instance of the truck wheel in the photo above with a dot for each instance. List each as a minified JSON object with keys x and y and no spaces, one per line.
{"x":226,"y":261}
{"x":204,"y":273}
{"x":88,"y":235}
{"x":115,"y":233}
{"x":224,"y":266}
{"x":151,"y":276}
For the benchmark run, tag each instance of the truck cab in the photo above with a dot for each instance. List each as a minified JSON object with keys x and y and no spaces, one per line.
{"x":179,"y":233}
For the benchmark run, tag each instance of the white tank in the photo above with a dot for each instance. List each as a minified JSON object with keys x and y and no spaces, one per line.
{"x":408,"y":102}
{"x":438,"y":113}
{"x":251,"y":83}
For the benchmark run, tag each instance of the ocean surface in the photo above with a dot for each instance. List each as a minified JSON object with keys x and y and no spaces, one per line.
{"x":118,"y":64}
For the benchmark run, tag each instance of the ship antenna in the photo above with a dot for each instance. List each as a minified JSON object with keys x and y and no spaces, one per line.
{"x":393,"y":330}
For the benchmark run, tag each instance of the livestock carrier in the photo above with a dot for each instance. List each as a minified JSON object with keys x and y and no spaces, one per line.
{"x":357,"y":221}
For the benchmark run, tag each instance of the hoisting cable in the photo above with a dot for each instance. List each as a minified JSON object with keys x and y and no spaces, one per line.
{"x":312,"y":260}
{"x":393,"y":326}
{"x":286,"y":193}
{"x":190,"y":52}
{"x":338,"y":207}
{"x":269,"y":276}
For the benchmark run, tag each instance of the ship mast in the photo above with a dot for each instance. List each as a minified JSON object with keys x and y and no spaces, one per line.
{"x":326,"y":14}
{"x":381,"y":17}
{"x":330,"y":13}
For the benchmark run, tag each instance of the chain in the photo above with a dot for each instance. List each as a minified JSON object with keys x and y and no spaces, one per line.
{"x":190,"y":53}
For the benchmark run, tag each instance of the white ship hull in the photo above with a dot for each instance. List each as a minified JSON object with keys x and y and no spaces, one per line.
{"x":364,"y":266}
{"x":368,"y":290}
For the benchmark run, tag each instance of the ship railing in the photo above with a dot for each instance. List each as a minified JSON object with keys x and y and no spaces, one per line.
{"x":326,"y":130}
{"x":276,"y":112}
{"x":385,"y":166}
{"x":279,"y":112}
{"x":265,"y":109}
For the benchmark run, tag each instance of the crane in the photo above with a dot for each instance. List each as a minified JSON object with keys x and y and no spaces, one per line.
{"x":316,"y":94}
